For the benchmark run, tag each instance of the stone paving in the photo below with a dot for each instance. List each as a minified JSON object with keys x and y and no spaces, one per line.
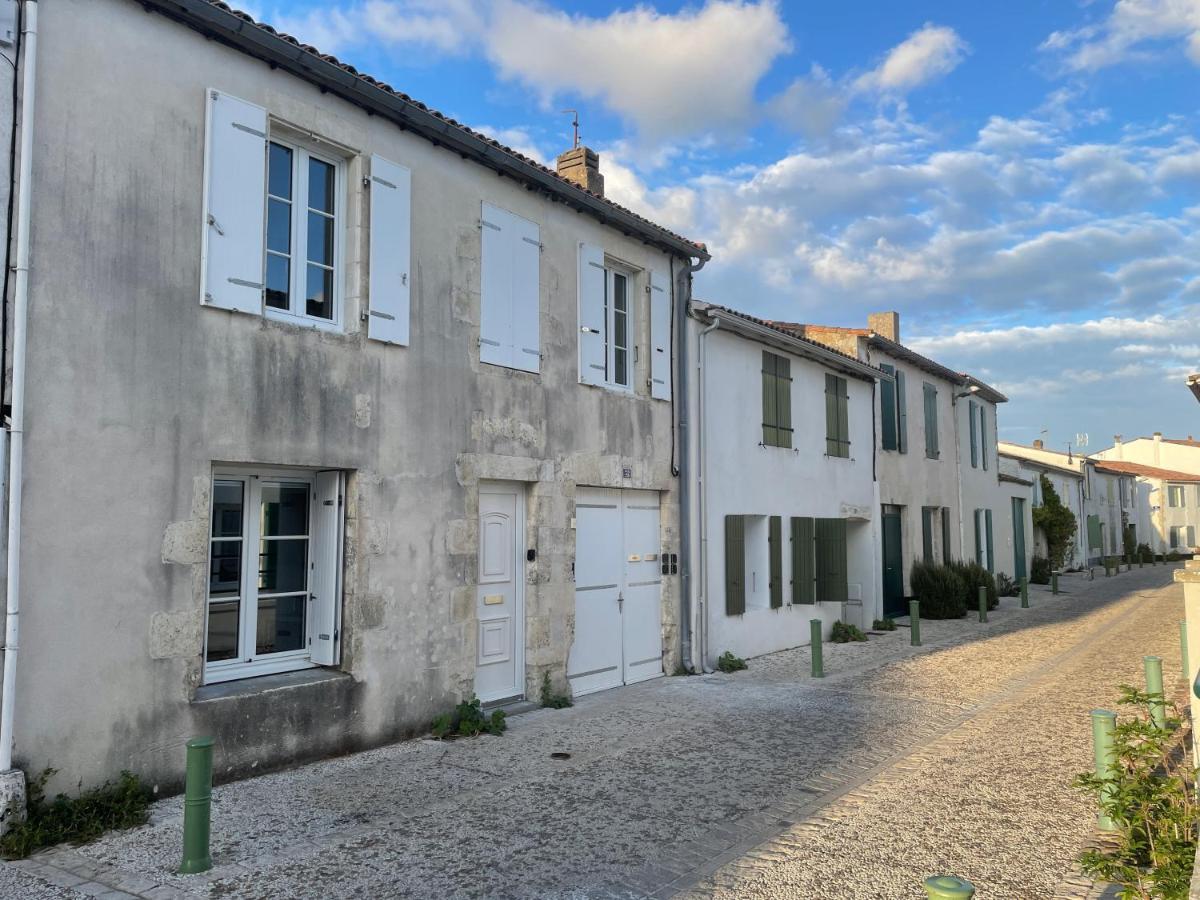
{"x":902,"y":762}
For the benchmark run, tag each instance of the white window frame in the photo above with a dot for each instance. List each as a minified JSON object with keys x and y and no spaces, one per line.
{"x":248,"y":663}
{"x":296,"y":314}
{"x":611,"y":270}
{"x":1173,"y":491}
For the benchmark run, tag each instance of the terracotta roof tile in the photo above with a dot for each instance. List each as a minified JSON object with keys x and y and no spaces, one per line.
{"x":1120,"y":467}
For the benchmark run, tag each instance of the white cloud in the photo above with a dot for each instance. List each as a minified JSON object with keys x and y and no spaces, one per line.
{"x":441,"y":26}
{"x":1057,"y":334}
{"x":926,"y":54}
{"x":1128,"y":33}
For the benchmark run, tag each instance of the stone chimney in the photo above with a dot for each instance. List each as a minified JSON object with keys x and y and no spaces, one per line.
{"x":1118,"y":448}
{"x":885,"y":324}
{"x":1157,"y":446}
{"x":1037,"y":444}
{"x":581,"y":165}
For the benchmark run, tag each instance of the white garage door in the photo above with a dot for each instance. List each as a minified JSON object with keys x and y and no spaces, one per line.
{"x":618,"y":590}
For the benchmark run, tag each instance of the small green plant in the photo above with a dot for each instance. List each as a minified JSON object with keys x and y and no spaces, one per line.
{"x":551,"y":700}
{"x":1005,"y":586}
{"x":939,"y":589}
{"x":844,"y":633}
{"x":76,"y":820}
{"x":883,"y":625}
{"x":727,"y":662}
{"x":468,"y":720}
{"x":1144,"y":553}
{"x":1039,"y":570}
{"x":1150,"y":802}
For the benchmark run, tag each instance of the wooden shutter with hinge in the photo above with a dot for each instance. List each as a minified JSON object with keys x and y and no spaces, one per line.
{"x":803,"y":563}
{"x":831,"y":560}
{"x":388,"y":288}
{"x":735,"y":565}
{"x":775,"y":548}
{"x":887,"y":408}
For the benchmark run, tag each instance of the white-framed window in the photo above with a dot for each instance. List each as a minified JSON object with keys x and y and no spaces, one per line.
{"x":618,"y":326}
{"x":304,"y":221}
{"x":274,"y":572}
{"x":608,"y":323}
{"x":1175,"y":495}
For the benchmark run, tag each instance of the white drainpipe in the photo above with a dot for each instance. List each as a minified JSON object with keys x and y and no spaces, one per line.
{"x":16,"y":428}
{"x":702,"y":618}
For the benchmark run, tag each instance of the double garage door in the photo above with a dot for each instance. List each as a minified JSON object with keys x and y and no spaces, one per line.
{"x":618,"y":590}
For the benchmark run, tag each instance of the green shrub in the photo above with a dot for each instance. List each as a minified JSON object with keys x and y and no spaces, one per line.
{"x":76,"y":820}
{"x":939,"y":589}
{"x":1057,"y":524}
{"x":1006,"y":587}
{"x":974,"y":576}
{"x":551,"y":700}
{"x":468,"y":720}
{"x":1144,"y":553}
{"x":844,"y":633}
{"x":727,"y":662}
{"x":1128,"y":543}
{"x":1039,"y":570}
{"x":1150,"y":803}
{"x":883,"y":625}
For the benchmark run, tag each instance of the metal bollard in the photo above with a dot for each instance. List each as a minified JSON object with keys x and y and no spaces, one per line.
{"x":1186,"y":672}
{"x":1141,"y":561}
{"x":982,"y":603}
{"x":1154,"y":687}
{"x":818,"y":664}
{"x":1024,"y":592}
{"x":1107,"y":573}
{"x":914,"y":622}
{"x":1104,"y":723}
{"x":1053,"y":582}
{"x":947,"y":887}
{"x":197,"y":807}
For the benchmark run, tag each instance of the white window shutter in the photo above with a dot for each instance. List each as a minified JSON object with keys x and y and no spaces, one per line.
{"x":660,"y":336}
{"x":325,"y":582}
{"x":391,"y":253}
{"x":495,"y":291}
{"x":235,"y":198}
{"x":526,"y":249}
{"x":591,"y":314}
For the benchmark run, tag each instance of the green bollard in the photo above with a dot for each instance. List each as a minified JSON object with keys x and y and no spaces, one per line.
{"x":818,"y":664}
{"x":1053,"y":582}
{"x":1107,"y":573}
{"x":947,"y":887}
{"x":982,"y":603}
{"x":1183,"y":653}
{"x":1024,"y":592}
{"x":1104,"y":723}
{"x":197,"y":807}
{"x":1154,"y":687}
{"x":1141,"y":561}
{"x":914,"y":622}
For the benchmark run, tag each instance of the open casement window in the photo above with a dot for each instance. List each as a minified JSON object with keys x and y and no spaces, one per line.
{"x":803,"y":561}
{"x":837,"y":424}
{"x":391,"y":229}
{"x":831,"y":578}
{"x":606,"y":320}
{"x":775,"y":550}
{"x":510,"y":291}
{"x":735,"y":565}
{"x":274,"y":597}
{"x":931,"y":423}
{"x":888,"y":410}
{"x":971,"y":407}
{"x":776,"y":400}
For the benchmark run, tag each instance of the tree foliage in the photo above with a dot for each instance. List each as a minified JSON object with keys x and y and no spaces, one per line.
{"x":1057,"y":523}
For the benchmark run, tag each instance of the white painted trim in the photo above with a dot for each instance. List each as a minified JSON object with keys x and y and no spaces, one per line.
{"x":517,"y":489}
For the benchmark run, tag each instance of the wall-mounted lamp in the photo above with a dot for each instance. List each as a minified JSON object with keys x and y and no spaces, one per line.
{"x":973,"y":389}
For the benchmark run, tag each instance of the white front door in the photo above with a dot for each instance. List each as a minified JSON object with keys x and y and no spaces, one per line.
{"x":499,"y":596}
{"x":618,"y":599}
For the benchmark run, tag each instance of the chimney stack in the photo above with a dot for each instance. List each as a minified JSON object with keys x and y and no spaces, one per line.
{"x":885,"y":324}
{"x":1157,"y":446}
{"x":581,"y":165}
{"x":1037,"y":444}
{"x":1117,"y":447}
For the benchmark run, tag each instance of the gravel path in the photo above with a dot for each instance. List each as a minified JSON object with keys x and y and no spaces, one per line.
{"x":903,"y":762}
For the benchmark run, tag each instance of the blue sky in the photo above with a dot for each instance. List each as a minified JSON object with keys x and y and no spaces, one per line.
{"x":1020,"y":180}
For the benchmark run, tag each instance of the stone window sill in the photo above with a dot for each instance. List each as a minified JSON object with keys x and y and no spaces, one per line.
{"x":262,"y":684}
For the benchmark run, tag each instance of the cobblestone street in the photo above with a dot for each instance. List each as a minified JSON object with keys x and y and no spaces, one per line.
{"x":955,"y":757}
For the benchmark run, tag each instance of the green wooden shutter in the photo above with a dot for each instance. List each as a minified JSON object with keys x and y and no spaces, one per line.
{"x":974,"y":435}
{"x":931,"y":430}
{"x":945,"y":535}
{"x":887,"y":408}
{"x":831,"y":560}
{"x":803,"y":570}
{"x":775,"y":547}
{"x":987,"y":525}
{"x":902,"y":417}
{"x":979,"y":537}
{"x":1095,"y":541}
{"x":783,"y":400}
{"x":843,"y":390}
{"x":735,"y":565}
{"x":983,"y":448}
{"x":770,"y":406}
{"x":927,"y":533}
{"x":831,"y":415}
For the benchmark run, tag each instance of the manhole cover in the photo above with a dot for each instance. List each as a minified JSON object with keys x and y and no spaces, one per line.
{"x":559,"y":754}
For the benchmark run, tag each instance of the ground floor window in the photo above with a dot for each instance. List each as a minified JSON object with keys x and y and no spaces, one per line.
{"x":274,"y":586}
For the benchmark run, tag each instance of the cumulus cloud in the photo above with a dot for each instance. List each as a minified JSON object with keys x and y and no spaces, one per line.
{"x":926,"y":54}
{"x":1133,"y":27}
{"x":441,"y":26}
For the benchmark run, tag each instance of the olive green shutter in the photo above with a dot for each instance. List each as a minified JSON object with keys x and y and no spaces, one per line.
{"x":1093,"y":530}
{"x":769,"y":405}
{"x":803,"y":571}
{"x":974,"y":435}
{"x":843,"y":404}
{"x":902,"y":417}
{"x":931,"y":429}
{"x":783,"y":400}
{"x":775,"y":540}
{"x":987,"y":525}
{"x":831,"y":560}
{"x":945,"y":535}
{"x":831,"y":415}
{"x":927,"y":533}
{"x":735,"y":565}
{"x":887,"y":403}
{"x":983,"y":454}
{"x":979,"y":536}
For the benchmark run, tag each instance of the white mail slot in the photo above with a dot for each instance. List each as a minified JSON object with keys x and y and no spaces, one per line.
{"x":650,"y":557}
{"x":635,"y":557}
{"x":493,"y":599}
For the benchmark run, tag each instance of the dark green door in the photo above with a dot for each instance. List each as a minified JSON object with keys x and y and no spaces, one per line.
{"x":1018,"y":514}
{"x":893,"y":565}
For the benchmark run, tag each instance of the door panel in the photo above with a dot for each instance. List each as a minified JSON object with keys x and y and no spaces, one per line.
{"x":499,"y":665}
{"x":641,"y":612}
{"x":893,"y":566}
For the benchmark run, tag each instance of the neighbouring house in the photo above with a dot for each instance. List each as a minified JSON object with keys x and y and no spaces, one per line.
{"x":1067,"y":481}
{"x":1174,"y":454}
{"x":937,"y":502}
{"x":987,"y":499}
{"x":348,"y":411}
{"x":1167,"y":488}
{"x":1014,"y":512}
{"x":785,"y":500}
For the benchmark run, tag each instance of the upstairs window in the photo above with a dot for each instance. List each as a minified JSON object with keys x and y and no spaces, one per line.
{"x":931,"y":421}
{"x":510,"y":291}
{"x":837,"y":423}
{"x":893,"y":410}
{"x":776,"y":400}
{"x":617,"y":319}
{"x":1175,"y":495}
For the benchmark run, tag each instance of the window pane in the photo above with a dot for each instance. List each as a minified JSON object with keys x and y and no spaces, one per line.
{"x":620,"y":376}
{"x":320,"y":185}
{"x":281,"y":565}
{"x":227,"y":509}
{"x":280,"y":624}
{"x":225,"y":569}
{"x":319,"y":296}
{"x":320,"y":239}
{"x":279,"y":226}
{"x":279,"y":272}
{"x":222,"y":630}
{"x":284,"y":508}
{"x":619,"y":301}
{"x":279,"y":172}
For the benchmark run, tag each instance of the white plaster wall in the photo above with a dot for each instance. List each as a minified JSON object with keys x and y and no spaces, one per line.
{"x":1177,"y":457}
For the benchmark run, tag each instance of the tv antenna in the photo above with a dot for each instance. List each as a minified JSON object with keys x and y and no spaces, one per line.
{"x":575,"y":126}
{"x":1081,"y":439}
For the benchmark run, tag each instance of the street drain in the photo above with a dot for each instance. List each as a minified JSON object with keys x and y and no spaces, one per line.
{"x":559,"y":754}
